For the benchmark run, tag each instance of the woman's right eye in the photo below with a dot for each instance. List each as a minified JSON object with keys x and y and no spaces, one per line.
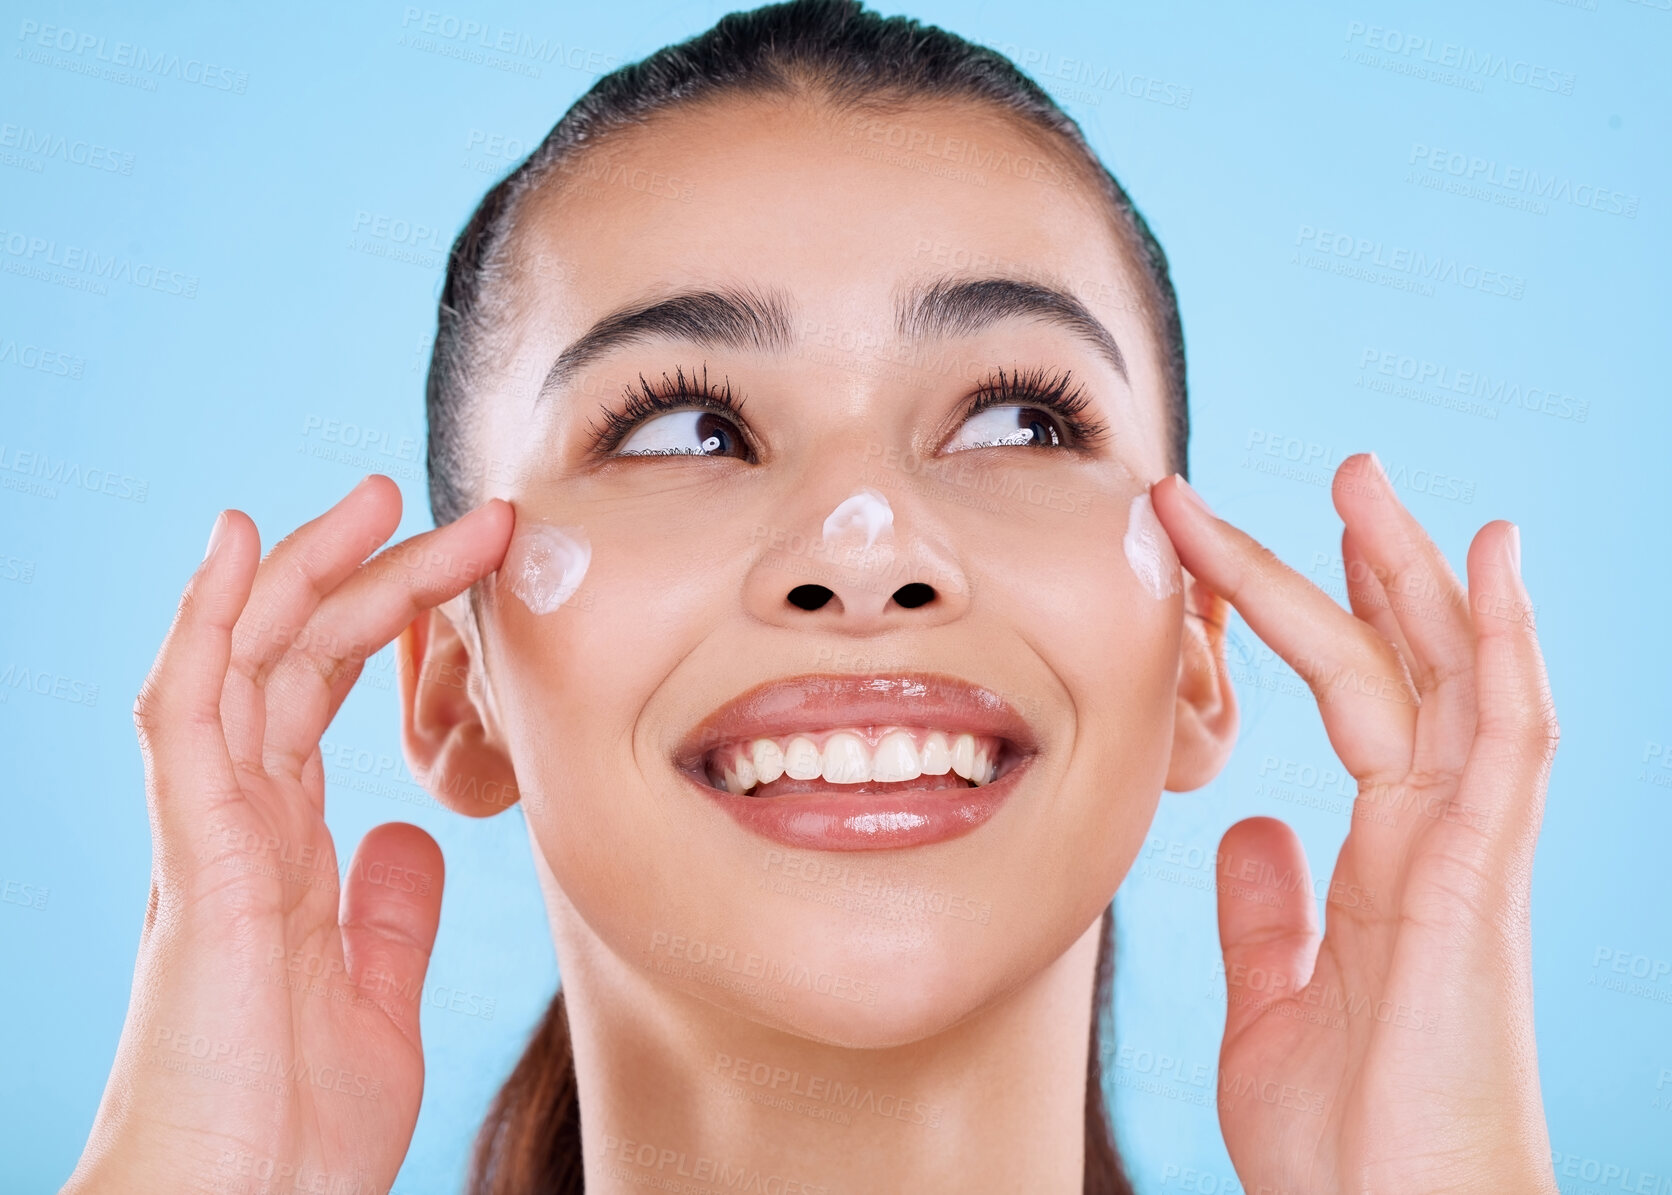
{"x":685,"y":433}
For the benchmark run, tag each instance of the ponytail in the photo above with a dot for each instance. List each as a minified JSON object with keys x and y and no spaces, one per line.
{"x":530,"y":1143}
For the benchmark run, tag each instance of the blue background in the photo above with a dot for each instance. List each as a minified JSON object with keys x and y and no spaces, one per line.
{"x":297,"y":366}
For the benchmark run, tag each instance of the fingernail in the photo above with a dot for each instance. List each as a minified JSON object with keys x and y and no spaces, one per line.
{"x":216,"y":534}
{"x":1515,"y":548}
{"x":1189,"y":491}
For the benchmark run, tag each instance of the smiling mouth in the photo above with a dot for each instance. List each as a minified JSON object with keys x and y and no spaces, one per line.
{"x":838,"y":762}
{"x":858,"y":760}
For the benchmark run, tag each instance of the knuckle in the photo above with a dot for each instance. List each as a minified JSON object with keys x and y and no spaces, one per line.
{"x":324,"y":665}
{"x":1531,"y":726}
{"x":1544,"y":733}
{"x":1256,"y":569}
{"x":186,"y":609}
{"x":149,"y":713}
{"x":1268,"y":563}
{"x":1436,"y":673}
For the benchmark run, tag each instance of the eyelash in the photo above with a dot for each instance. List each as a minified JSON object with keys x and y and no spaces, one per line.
{"x":671,"y":394}
{"x":1051,"y":390}
{"x":1054,"y":391}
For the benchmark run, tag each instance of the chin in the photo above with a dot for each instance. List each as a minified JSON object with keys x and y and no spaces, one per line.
{"x":820,"y":963}
{"x":861,"y":948}
{"x":862,"y":985}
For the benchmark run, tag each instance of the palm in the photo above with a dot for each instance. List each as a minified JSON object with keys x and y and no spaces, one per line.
{"x":1393,"y":1052}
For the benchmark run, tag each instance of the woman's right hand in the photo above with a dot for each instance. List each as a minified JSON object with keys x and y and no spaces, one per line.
{"x":271,"y":1041}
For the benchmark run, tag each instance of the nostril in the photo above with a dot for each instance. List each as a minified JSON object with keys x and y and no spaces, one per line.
{"x":914,"y":595}
{"x":810,"y":597}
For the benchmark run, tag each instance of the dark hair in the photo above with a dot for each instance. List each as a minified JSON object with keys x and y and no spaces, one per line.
{"x":849,"y":59}
{"x":834,"y":49}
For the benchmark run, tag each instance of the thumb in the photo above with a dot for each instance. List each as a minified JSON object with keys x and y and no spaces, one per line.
{"x":1268,"y":926}
{"x":391,"y":905}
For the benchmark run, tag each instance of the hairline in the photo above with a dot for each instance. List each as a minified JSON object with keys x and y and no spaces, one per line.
{"x":510,"y":299}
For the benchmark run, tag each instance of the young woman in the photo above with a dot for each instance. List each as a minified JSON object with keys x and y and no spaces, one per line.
{"x":816,"y":569}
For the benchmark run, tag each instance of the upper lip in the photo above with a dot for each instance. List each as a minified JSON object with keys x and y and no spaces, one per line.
{"x":825,"y":701}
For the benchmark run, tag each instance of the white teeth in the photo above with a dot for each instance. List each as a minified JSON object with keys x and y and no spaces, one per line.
{"x":848,"y":758}
{"x":896,"y":758}
{"x":937,"y":755}
{"x":801,"y":759}
{"x":768,"y":759}
{"x":846,"y":761}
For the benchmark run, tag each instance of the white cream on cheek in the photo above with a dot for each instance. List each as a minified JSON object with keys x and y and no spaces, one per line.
{"x":1149,"y":550}
{"x":867,"y":511}
{"x":546,"y":564}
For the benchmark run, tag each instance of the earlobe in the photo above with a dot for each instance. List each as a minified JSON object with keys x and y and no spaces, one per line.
{"x":445,"y":731}
{"x":1205,"y":718}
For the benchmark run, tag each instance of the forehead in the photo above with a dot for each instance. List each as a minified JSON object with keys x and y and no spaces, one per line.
{"x":842,"y":212}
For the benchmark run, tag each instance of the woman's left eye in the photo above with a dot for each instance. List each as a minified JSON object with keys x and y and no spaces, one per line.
{"x":1008,"y":424}
{"x":685,"y":433}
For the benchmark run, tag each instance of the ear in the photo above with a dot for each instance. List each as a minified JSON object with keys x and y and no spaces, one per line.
{"x":1205,"y":717}
{"x":448,"y":731}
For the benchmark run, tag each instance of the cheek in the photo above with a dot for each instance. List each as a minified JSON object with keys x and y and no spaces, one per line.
{"x":1149,"y":551}
{"x":1095,"y":590}
{"x":584,"y":636}
{"x":1097,"y":597}
{"x":1085,"y":588}
{"x":545,"y":564}
{"x":591,"y":611}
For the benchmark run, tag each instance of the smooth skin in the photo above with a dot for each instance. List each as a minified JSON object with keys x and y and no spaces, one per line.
{"x":230,"y":721}
{"x":1434,"y":698}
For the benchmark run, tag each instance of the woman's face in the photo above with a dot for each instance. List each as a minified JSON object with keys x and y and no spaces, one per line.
{"x":841,"y":249}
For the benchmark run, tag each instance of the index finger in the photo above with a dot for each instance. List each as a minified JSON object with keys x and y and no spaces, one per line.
{"x":366,"y":612}
{"x":1363,"y":691}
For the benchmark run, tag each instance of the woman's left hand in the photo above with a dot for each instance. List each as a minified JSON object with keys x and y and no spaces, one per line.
{"x":1394,"y":1052}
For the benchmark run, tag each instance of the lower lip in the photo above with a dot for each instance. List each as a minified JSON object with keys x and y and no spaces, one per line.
{"x":867,"y":821}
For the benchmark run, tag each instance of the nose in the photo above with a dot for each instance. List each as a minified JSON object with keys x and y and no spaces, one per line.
{"x":804,"y":579}
{"x":815,"y":597}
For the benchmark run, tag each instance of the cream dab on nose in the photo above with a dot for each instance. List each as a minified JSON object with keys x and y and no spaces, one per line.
{"x":1149,"y":549}
{"x":546,"y":564}
{"x":865,"y":512}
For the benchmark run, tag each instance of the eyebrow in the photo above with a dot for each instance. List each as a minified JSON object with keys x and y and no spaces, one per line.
{"x":963,"y":307}
{"x":739,"y":318}
{"x":730,"y":318}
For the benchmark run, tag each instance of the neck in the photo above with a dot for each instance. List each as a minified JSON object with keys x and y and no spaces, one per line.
{"x":678,"y":1093}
